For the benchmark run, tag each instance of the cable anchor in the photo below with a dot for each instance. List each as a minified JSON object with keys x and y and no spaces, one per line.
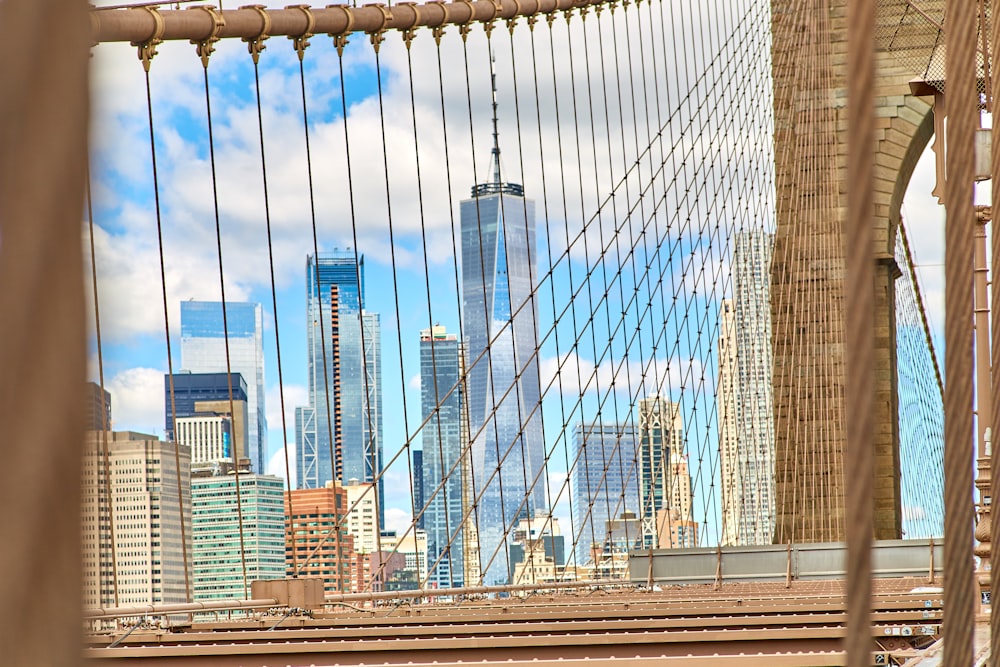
{"x":488,"y":24}
{"x":466,"y":27}
{"x":410,"y":33}
{"x":377,"y":36}
{"x":256,"y":44}
{"x":512,"y":21}
{"x":147,"y":49}
{"x":301,"y":42}
{"x":205,"y":47}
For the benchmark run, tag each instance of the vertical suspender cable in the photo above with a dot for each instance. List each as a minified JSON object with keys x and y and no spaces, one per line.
{"x":430,"y":324}
{"x":994,"y":94}
{"x":473,"y":512}
{"x":377,"y":474}
{"x":376,"y":39}
{"x":532,"y":266}
{"x":103,"y":454}
{"x":166,"y":328}
{"x":274,"y":307}
{"x":205,"y":48}
{"x":859,"y":351}
{"x":959,"y":594}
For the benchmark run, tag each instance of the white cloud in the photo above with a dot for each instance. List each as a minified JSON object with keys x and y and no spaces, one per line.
{"x":580,"y":376}
{"x":137,"y":401}
{"x":414,"y":382}
{"x":398,"y":520}
{"x":276,"y":464}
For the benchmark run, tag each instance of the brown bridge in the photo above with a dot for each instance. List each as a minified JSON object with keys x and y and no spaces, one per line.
{"x":735,"y":624}
{"x":847,"y":404}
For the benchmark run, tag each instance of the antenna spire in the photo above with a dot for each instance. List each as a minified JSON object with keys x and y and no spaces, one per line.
{"x":496,"y":186}
{"x":496,"y":132}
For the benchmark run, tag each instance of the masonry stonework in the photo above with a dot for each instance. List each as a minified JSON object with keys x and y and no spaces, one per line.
{"x":807,"y":308}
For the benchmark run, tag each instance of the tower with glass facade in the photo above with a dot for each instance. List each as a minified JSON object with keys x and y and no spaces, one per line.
{"x":215,"y":525}
{"x":604,"y":482}
{"x":442,"y":401}
{"x":661,"y":444}
{"x":203,"y":350}
{"x":343,"y":348}
{"x":500,"y":325}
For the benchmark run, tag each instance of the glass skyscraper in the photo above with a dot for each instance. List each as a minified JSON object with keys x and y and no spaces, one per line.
{"x":442,"y":404}
{"x":344,"y":414}
{"x":605,"y":482}
{"x":500,"y":324}
{"x":215,"y":528}
{"x":203,"y":350}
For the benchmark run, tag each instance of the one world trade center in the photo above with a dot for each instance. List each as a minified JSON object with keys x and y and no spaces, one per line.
{"x":500,"y":326}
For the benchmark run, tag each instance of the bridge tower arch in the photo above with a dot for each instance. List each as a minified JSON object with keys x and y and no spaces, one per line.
{"x":809,"y":70}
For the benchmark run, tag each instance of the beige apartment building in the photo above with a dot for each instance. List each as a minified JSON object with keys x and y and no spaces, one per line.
{"x":133,"y":550}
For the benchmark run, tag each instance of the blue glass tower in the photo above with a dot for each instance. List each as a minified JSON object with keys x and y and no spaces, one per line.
{"x":344,"y":414}
{"x":604,"y":480}
{"x":442,"y":402}
{"x":500,"y":324}
{"x":203,"y":350}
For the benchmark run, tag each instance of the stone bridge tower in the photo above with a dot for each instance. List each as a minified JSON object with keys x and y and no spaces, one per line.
{"x":807,"y":287}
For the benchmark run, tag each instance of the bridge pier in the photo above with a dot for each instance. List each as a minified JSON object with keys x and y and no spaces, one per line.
{"x":807,"y":277}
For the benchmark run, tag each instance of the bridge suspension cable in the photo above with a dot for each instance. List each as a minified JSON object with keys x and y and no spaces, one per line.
{"x":639,"y":208}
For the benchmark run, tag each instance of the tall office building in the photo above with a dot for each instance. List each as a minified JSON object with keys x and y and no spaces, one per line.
{"x":661,"y":443}
{"x":344,"y":414}
{"x":500,"y":324}
{"x":133,"y":544}
{"x":442,"y":402}
{"x":744,"y":399}
{"x":418,"y":484}
{"x":97,"y":410}
{"x":215,"y":525}
{"x":203,"y":350}
{"x":604,"y":481}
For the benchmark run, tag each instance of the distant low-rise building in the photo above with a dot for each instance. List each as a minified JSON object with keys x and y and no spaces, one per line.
{"x":317,"y":542}
{"x":413,"y":546}
{"x":609,"y":559}
{"x":537,"y":549}
{"x":362,"y":524}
